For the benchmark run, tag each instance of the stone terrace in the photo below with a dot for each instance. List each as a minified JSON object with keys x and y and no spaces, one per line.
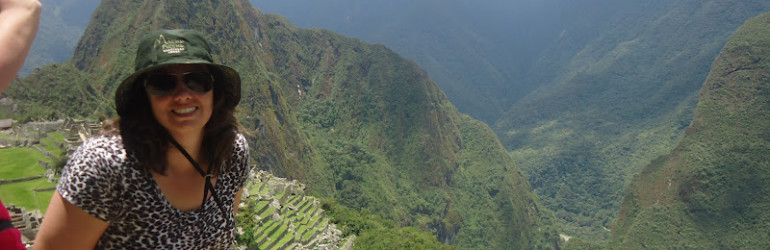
{"x":287,"y":219}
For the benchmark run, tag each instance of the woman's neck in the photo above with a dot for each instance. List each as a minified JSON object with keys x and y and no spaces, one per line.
{"x":178,"y":163}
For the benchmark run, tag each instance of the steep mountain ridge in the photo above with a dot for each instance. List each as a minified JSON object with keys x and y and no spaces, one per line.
{"x":604,"y":87}
{"x":475,"y":52}
{"x":711,"y":191}
{"x":616,"y":105}
{"x":355,"y":122}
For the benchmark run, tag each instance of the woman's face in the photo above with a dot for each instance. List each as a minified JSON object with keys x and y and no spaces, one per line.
{"x":183,"y":109}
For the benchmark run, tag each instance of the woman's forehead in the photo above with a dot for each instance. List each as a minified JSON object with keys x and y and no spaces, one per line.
{"x":181,"y":68}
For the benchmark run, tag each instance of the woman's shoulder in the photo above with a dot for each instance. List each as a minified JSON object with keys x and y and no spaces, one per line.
{"x":95,"y":177}
{"x":240,"y":140}
{"x":106,"y":142}
{"x":108,"y":147}
{"x":241,"y":147}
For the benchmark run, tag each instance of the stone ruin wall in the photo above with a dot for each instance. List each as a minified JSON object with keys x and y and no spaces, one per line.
{"x":28,"y":223}
{"x":29,"y":134}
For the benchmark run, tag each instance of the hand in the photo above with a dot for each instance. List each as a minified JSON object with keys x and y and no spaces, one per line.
{"x":19,"y":20}
{"x":26,"y":4}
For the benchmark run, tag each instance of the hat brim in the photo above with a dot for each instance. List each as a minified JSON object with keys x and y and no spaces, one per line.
{"x":228,"y":81}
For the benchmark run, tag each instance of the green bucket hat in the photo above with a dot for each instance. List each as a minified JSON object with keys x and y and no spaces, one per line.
{"x":169,"y":47}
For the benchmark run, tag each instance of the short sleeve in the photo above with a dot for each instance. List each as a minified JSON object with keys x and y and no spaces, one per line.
{"x":89,"y":179}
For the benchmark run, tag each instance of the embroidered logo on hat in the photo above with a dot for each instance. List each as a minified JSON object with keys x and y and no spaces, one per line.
{"x":170,"y":47}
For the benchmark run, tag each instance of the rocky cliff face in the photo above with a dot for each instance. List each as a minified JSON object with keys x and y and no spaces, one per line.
{"x":711,"y":192}
{"x":355,"y":122}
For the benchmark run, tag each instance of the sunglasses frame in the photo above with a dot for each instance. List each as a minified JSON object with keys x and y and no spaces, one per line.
{"x":155,"y":87}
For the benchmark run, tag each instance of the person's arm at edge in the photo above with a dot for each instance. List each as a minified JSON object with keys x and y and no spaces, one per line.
{"x":66,"y":226}
{"x":19,"y":21}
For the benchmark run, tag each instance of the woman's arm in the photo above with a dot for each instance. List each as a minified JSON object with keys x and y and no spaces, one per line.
{"x":19,"y":20}
{"x":66,"y":226}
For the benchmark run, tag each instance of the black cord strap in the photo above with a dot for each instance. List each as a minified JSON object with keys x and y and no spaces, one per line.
{"x":5,"y":224}
{"x":207,"y":175}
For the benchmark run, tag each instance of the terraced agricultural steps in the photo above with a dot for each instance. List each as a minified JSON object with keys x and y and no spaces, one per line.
{"x":284,"y":217}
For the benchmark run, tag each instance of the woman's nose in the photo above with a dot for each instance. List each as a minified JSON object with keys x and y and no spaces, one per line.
{"x":181,"y":89}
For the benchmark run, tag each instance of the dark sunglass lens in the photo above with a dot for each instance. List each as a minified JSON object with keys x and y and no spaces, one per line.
{"x":200,"y":82}
{"x":160,"y":84}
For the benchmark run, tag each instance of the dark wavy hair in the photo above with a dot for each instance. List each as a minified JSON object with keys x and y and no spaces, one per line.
{"x":149,"y":142}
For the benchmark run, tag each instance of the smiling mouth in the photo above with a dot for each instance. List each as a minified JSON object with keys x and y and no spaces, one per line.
{"x":184,"y":111}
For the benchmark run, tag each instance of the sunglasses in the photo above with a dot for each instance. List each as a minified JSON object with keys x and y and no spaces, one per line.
{"x":163,"y":84}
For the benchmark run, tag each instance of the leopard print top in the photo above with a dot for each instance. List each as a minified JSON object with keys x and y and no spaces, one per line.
{"x":110,"y":184}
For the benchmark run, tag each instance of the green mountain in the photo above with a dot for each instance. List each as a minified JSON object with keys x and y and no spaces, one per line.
{"x":711,"y":191}
{"x":355,"y":122}
{"x":587,"y":92}
{"x":475,"y":51}
{"x":621,"y":101}
{"x":485,"y":55}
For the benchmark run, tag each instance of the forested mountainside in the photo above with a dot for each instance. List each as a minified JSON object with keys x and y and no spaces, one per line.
{"x":457,"y":42}
{"x":485,"y":55}
{"x":356,"y":122}
{"x":711,"y":191}
{"x":620,"y":102}
{"x":590,"y":91}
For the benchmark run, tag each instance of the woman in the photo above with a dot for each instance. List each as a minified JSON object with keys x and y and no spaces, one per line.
{"x":139,"y":185}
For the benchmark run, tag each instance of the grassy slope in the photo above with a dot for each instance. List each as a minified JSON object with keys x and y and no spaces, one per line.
{"x":20,"y":162}
{"x":622,"y":101}
{"x":712,"y":190}
{"x":22,"y":194}
{"x":23,"y":162}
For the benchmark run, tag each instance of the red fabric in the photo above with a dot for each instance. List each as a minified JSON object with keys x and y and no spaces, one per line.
{"x":10,"y":238}
{"x":4,"y":215}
